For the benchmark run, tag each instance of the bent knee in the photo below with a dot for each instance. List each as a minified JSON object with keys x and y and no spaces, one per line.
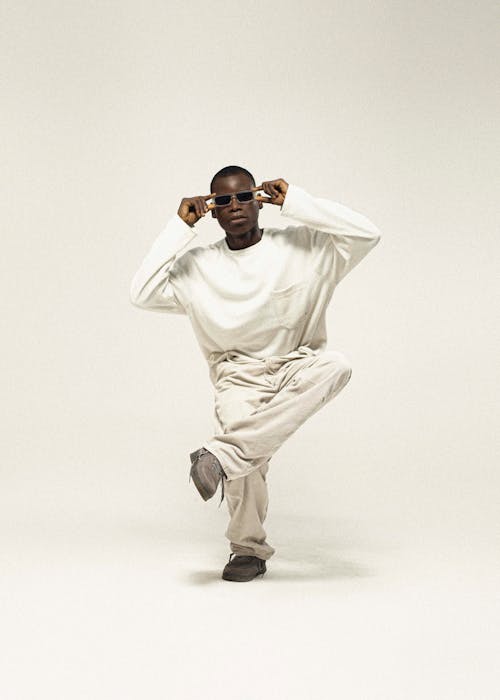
{"x":340,"y":364}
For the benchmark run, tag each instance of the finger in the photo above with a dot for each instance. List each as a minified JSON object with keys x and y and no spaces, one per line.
{"x":256,"y":189}
{"x":209,"y":196}
{"x":260,"y":198}
{"x":271,"y":190}
{"x":199,"y":208}
{"x":272,"y":193}
{"x":193,"y":208}
{"x":203,"y":206}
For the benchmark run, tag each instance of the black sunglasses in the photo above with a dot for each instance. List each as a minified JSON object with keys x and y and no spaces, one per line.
{"x":222,"y":200}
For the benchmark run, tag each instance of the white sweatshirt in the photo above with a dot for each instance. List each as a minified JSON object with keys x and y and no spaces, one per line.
{"x":264,"y":300}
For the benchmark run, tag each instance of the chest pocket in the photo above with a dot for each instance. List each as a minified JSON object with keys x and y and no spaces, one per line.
{"x":292,"y":305}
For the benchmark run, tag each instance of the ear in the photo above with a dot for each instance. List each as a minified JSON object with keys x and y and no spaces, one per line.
{"x":214,"y":215}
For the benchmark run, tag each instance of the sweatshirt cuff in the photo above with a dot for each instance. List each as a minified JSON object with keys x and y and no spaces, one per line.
{"x":293,"y":197}
{"x":176,"y":233}
{"x":180,"y":225}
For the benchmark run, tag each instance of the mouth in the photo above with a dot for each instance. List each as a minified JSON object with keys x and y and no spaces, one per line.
{"x":237,"y":219}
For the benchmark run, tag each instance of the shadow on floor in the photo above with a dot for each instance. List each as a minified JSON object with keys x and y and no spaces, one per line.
{"x":320,"y":567}
{"x":321,"y":550}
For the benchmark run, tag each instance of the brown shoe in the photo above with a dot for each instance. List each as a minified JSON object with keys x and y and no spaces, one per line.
{"x":206,"y":473}
{"x":243,"y":568}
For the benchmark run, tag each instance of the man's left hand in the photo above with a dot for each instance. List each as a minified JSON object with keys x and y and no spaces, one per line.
{"x":276,"y":189}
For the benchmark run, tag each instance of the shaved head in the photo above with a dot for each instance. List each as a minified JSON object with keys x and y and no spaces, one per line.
{"x":231,"y":170}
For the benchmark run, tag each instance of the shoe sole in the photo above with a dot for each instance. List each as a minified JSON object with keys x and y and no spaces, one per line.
{"x":241,"y":579}
{"x":206,"y":495}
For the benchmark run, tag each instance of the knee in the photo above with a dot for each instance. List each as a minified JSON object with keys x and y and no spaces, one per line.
{"x":347,"y":371}
{"x":340,"y":364}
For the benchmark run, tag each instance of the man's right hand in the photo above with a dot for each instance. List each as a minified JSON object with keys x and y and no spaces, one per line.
{"x":191,"y":209}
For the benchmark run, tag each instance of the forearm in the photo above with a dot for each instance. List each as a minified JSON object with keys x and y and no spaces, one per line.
{"x":326,"y":215}
{"x":150,"y":284}
{"x":351,"y":235}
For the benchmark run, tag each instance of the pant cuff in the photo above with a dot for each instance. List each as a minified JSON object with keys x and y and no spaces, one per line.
{"x":262,"y":552}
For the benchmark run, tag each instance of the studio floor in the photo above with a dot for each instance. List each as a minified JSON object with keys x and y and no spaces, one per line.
{"x":106,"y":610}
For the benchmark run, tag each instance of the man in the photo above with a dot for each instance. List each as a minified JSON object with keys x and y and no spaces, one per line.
{"x":256,"y":300}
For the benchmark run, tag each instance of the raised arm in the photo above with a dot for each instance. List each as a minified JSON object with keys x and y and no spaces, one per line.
{"x":351,"y":234}
{"x":151,"y":287}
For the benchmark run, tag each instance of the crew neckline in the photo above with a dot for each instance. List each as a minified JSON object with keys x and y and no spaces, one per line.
{"x":244,"y":251}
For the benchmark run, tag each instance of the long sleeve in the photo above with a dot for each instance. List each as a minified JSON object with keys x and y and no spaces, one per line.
{"x":151,"y":286}
{"x":351,"y":234}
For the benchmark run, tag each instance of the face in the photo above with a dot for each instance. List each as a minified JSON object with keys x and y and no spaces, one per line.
{"x":249,"y":211}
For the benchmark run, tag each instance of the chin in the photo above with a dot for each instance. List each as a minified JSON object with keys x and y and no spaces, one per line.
{"x":240,"y":231}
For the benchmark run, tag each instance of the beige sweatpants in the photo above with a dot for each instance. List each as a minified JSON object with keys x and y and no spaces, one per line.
{"x":258,"y":405}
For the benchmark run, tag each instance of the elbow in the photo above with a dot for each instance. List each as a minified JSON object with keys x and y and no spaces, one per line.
{"x":139,"y":303}
{"x":136,"y":298}
{"x":377,"y":235}
{"x":136,"y":302}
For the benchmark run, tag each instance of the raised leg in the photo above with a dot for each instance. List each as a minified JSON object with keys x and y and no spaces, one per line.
{"x":299,"y":388}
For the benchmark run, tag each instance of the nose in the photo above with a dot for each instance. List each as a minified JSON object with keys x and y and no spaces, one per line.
{"x":234,"y":204}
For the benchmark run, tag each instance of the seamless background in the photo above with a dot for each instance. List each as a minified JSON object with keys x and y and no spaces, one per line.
{"x":384,"y":506}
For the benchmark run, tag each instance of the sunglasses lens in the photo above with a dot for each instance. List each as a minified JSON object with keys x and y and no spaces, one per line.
{"x":245,"y":196}
{"x":222,"y":200}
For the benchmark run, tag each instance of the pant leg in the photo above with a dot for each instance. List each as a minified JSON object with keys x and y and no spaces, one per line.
{"x":294,"y":389}
{"x":247,"y":498}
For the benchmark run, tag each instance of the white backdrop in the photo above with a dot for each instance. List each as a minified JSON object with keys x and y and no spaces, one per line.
{"x":113,"y":112}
